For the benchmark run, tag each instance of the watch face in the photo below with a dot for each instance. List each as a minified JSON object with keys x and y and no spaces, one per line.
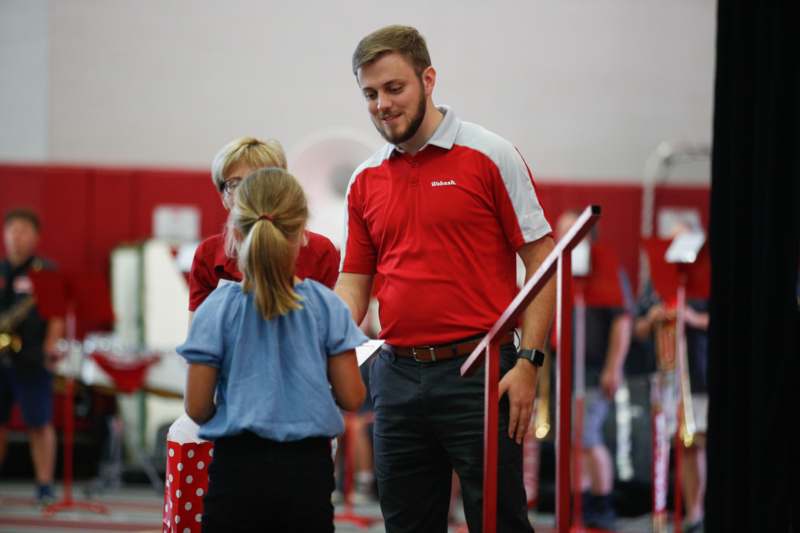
{"x":536,"y":357}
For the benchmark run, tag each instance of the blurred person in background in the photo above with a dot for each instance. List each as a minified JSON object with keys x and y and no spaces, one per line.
{"x":318,"y":258}
{"x":653,"y":311}
{"x":26,"y":370}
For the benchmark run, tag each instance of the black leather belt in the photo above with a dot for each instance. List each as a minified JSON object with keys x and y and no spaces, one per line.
{"x":442,"y":352}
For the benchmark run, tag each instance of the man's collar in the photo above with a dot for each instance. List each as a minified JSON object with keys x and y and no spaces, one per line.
{"x":17,"y":268}
{"x":445,"y":134}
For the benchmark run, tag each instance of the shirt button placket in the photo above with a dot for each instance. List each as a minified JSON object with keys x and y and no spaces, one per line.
{"x":413,"y":172}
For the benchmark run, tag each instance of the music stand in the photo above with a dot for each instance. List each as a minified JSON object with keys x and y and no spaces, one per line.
{"x":89,"y":308}
{"x":581,"y":270}
{"x":128,"y":375}
{"x":52,"y":301}
{"x":67,"y":502}
{"x":682,"y":252}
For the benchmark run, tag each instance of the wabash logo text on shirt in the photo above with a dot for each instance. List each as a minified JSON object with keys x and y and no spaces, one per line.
{"x":442,"y":183}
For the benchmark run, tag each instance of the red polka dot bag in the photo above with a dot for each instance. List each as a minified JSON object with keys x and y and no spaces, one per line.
{"x":188,"y":457}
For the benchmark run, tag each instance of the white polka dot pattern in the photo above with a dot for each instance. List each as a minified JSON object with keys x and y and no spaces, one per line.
{"x":183,"y":509}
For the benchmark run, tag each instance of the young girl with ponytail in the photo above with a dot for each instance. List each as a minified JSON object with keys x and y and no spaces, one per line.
{"x":269,"y":360}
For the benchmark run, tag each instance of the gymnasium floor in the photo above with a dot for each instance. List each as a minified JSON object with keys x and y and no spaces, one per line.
{"x":138,"y":508}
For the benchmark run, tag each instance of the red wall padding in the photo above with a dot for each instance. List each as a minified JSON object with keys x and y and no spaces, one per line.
{"x":87,"y":211}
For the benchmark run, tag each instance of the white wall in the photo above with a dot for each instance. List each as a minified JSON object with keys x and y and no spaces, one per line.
{"x":586,"y":89}
{"x":23,"y":80}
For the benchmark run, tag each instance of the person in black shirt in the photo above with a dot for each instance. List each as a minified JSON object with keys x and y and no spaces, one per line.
{"x":26,"y":365}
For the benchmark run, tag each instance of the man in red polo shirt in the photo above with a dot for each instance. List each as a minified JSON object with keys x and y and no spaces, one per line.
{"x":440,"y":213}
{"x":214,"y":261}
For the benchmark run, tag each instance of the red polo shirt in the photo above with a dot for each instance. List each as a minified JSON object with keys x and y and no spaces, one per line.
{"x":318,"y":260}
{"x":442,"y":229}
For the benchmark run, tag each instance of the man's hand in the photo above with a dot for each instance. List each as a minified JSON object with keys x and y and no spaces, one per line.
{"x":520,"y":381}
{"x":520,"y":384}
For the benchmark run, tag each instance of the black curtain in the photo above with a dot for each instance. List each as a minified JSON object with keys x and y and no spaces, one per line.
{"x":754,"y":390}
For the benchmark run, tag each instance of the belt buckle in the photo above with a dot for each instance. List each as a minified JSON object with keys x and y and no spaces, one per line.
{"x":432,"y":352}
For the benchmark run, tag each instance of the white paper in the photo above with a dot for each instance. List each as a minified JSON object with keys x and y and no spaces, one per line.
{"x":365,"y":352}
{"x":184,"y":430}
{"x":685,"y":247}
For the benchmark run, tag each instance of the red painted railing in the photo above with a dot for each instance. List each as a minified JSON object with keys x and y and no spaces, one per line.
{"x":560,"y":261}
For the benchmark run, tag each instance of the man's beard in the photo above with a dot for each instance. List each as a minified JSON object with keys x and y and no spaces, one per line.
{"x":413,"y":127}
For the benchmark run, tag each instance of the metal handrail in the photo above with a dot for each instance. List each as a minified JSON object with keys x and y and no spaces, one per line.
{"x":560,"y":259}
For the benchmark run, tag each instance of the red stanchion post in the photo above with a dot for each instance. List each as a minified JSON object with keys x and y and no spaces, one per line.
{"x":564,"y":391}
{"x":67,"y":502}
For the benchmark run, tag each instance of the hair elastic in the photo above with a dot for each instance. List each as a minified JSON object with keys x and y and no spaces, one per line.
{"x":265,"y":216}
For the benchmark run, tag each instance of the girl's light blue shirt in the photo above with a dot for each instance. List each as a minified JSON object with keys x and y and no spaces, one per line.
{"x":273,"y":374}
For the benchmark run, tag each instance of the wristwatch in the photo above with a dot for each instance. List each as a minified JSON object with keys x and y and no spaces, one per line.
{"x":534,"y":357}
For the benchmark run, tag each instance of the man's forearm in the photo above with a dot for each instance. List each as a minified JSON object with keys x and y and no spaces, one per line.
{"x":538,"y":316}
{"x":354,"y":290}
{"x":357,"y":310}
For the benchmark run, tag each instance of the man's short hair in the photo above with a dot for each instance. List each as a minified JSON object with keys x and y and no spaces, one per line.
{"x":22,"y":213}
{"x":404,"y":40}
{"x":253,"y":152}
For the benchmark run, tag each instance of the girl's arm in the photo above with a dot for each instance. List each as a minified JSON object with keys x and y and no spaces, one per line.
{"x":201,"y":381}
{"x":345,"y":379}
